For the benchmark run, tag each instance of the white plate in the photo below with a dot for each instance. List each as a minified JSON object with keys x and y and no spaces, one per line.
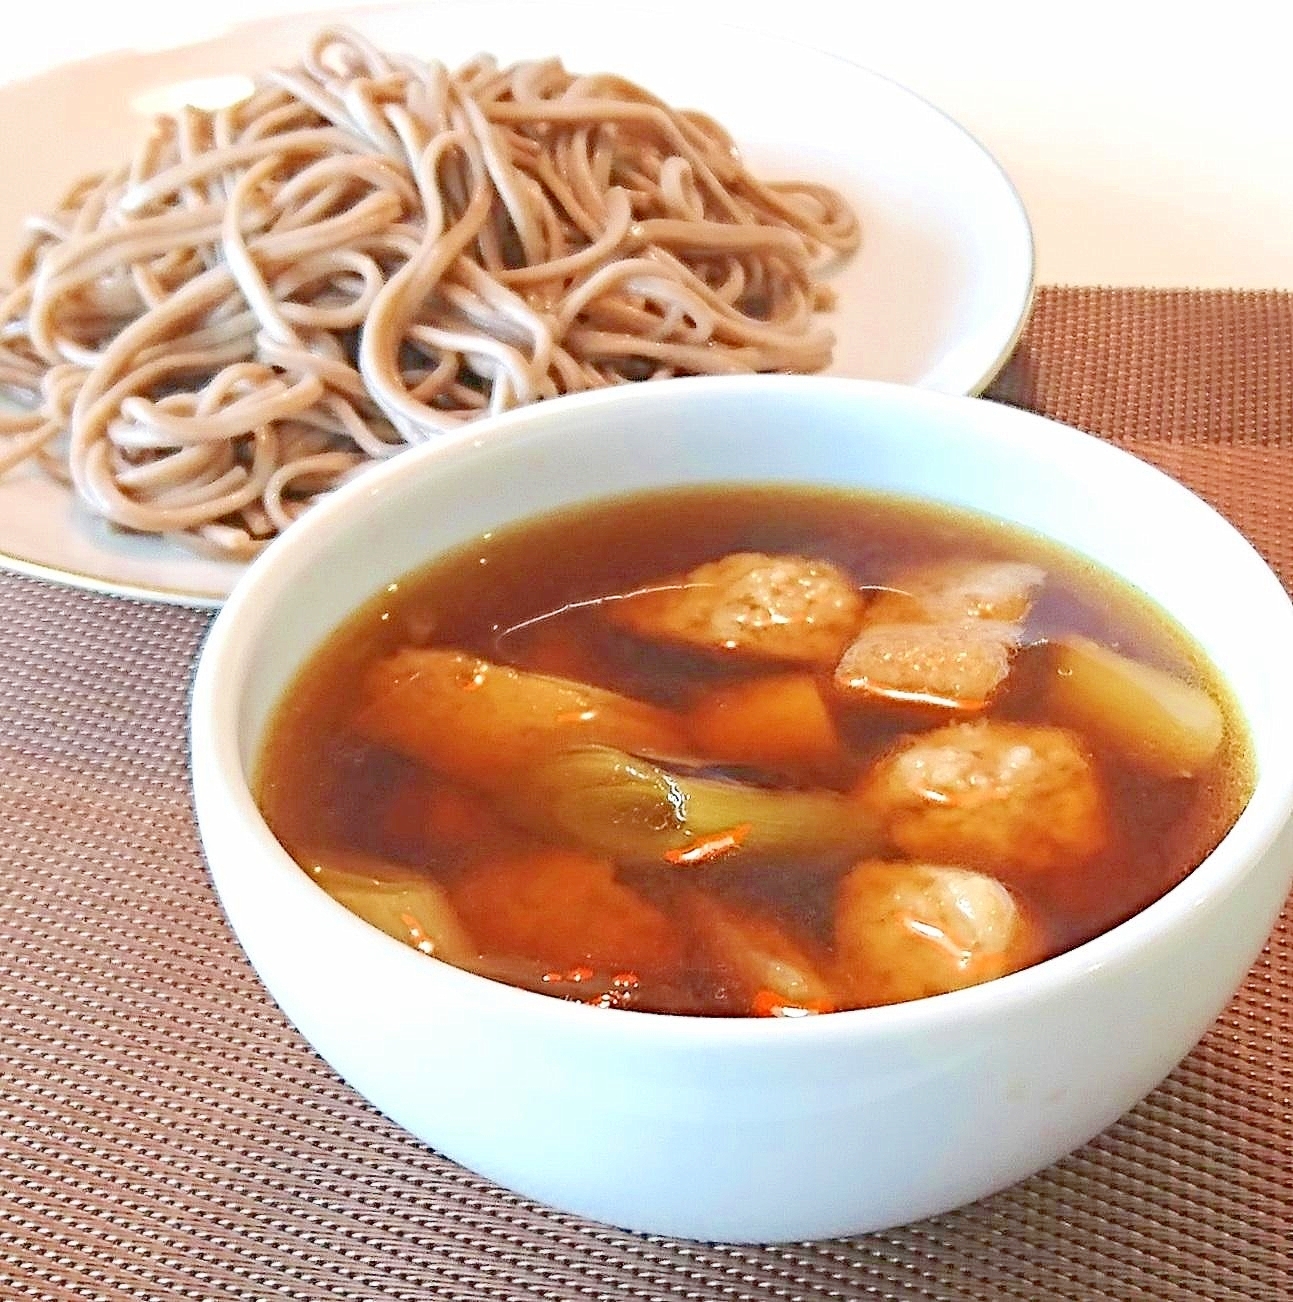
{"x":936,"y":297}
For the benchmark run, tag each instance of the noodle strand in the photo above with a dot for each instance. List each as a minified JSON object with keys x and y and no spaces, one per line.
{"x":370,"y":250}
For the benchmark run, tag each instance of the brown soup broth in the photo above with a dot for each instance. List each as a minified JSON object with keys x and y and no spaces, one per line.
{"x":531,"y":596}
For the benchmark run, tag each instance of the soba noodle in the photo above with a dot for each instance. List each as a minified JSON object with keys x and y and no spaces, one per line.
{"x":369,"y":251}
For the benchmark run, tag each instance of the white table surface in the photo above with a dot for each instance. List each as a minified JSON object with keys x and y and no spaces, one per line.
{"x":1150,"y":146}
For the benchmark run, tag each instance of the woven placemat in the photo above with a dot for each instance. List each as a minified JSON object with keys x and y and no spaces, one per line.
{"x":165,"y":1134}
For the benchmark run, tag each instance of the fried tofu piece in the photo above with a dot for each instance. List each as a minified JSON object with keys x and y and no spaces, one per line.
{"x":784,"y":608}
{"x":944,"y":634}
{"x":959,"y":666}
{"x":950,"y":591}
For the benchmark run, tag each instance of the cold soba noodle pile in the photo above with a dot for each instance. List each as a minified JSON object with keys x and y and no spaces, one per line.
{"x":372,"y":249}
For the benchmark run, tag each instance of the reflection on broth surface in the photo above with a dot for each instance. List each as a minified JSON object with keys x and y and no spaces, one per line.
{"x":753,"y":751}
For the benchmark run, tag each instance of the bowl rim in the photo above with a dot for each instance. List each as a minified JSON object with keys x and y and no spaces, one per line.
{"x":218,"y":771}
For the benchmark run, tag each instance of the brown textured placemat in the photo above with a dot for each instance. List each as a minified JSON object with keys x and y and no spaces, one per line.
{"x":165,"y":1134}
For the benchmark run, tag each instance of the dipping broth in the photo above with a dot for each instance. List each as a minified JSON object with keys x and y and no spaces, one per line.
{"x":741,"y":751}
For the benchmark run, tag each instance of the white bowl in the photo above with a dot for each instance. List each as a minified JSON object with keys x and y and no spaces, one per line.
{"x":752,"y":1130}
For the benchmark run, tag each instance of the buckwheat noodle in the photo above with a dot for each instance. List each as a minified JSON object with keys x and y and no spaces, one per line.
{"x":369,"y":251}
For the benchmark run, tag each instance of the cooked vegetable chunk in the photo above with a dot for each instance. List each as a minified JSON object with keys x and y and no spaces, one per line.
{"x":786,"y":608}
{"x":781,"y":977}
{"x":427,"y":809}
{"x":1154,"y":719}
{"x":624,"y":806}
{"x":775,"y":721}
{"x":397,"y":899}
{"x":562,"y":908}
{"x":478,"y":721}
